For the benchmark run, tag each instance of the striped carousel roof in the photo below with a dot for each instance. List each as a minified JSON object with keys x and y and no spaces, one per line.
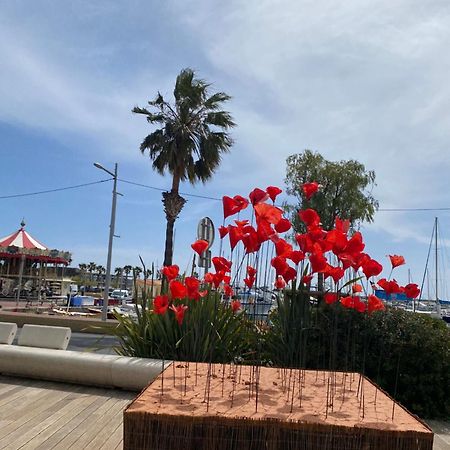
{"x":21,"y":239}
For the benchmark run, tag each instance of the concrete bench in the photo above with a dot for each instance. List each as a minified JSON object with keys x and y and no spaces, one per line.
{"x":7,"y":332}
{"x":113,"y":371}
{"x":43,"y":336}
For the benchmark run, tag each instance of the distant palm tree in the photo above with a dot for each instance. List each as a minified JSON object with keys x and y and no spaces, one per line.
{"x":83,"y":268}
{"x":92,"y":267}
{"x":137,"y":272}
{"x":190,"y":142}
{"x":127,"y":270}
{"x":118,"y":273}
{"x":100,"y":271}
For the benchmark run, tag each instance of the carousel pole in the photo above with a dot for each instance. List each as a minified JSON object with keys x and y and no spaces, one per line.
{"x":111,"y":237}
{"x":19,"y":287}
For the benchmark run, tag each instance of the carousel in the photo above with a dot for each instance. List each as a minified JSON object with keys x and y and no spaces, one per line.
{"x":29,"y":269}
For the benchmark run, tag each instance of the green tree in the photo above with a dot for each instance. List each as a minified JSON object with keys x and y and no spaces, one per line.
{"x":190,"y":140}
{"x":126,"y":270}
{"x":118,"y":275}
{"x":345,"y":192}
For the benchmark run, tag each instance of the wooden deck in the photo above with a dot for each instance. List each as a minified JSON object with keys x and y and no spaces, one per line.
{"x":46,"y":415}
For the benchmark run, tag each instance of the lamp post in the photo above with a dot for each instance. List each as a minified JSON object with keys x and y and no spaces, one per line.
{"x":111,"y":237}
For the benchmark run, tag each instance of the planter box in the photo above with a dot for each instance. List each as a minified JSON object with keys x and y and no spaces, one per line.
{"x":200,"y":406}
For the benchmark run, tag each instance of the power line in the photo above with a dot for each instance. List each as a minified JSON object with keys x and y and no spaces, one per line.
{"x":160,"y":189}
{"x":48,"y":191}
{"x":206,"y":197}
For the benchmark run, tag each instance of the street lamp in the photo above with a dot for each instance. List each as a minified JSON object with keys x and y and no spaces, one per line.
{"x":111,"y":237}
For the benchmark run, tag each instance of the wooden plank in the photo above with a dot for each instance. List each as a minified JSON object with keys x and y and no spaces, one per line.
{"x":71,"y":424}
{"x":34,"y":427}
{"x":48,"y":405}
{"x":115,"y":439}
{"x":49,"y":427}
{"x":99,"y":423}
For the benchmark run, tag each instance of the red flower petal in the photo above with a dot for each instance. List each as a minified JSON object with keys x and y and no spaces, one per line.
{"x":200,"y":246}
{"x":235,"y":305}
{"x":309,"y":189}
{"x":283,"y":248}
{"x":289,"y":274}
{"x":370,"y":267}
{"x":273,"y":192}
{"x":229,"y":207}
{"x":221,"y":264}
{"x":258,"y":196}
{"x":279,"y":264}
{"x":412,"y":290}
{"x":396,"y":260}
{"x":374,"y":304}
{"x":170,"y":272}
{"x":280,"y":283}
{"x":223,"y":231}
{"x":318,"y":262}
{"x":309,"y":217}
{"x":179,"y":313}
{"x":356,"y":288}
{"x":268,"y":213}
{"x":330,"y":298}
{"x":160,"y":304}
{"x":240,"y":202}
{"x":283,"y":225}
{"x":296,"y":256}
{"x":177,"y":289}
{"x":251,"y":271}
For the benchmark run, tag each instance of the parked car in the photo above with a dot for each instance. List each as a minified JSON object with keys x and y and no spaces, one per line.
{"x":122,"y":295}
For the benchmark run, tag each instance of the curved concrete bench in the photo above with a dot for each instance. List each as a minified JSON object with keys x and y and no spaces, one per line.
{"x":80,"y":368}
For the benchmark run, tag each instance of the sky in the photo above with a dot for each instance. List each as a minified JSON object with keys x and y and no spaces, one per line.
{"x":365,"y":80}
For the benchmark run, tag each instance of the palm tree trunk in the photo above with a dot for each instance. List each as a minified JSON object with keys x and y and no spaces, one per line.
{"x":173,"y":204}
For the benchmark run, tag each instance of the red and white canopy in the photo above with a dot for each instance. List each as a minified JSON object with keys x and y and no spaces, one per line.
{"x":21,"y":239}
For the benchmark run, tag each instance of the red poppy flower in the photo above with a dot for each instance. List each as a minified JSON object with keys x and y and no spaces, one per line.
{"x":412,"y":290}
{"x":330,"y":298}
{"x":265,"y":231}
{"x":318,"y":262}
{"x":306,"y":279}
{"x":374,"y":304}
{"x":218,"y":278}
{"x":360,"y":260}
{"x":338,"y":241}
{"x":396,"y":260}
{"x":309,"y":189}
{"x":273,"y":192}
{"x":179,"y":313}
{"x":177,"y":289}
{"x":229,"y":207}
{"x":390,"y":287}
{"x":283,"y":225}
{"x":209,"y":277}
{"x":309,"y":217}
{"x":353,"y":303}
{"x":226,"y":279}
{"x":160,"y":304}
{"x":221,"y":264}
{"x":355,"y":244}
{"x":280,"y":283}
{"x":304,"y":242}
{"x":283,"y":248}
{"x":235,"y":305}
{"x":223,"y":231}
{"x":289,"y":274}
{"x":341,"y":225}
{"x":200,"y":246}
{"x":251,"y":271}
{"x":296,"y":256}
{"x":235,"y":234}
{"x":228,"y":290}
{"x":240,"y":202}
{"x":258,"y":196}
{"x":249,"y":282}
{"x":370,"y":267}
{"x":356,"y":288}
{"x":251,"y":241}
{"x":171,"y":272}
{"x":192,"y":286}
{"x":334,"y":272}
{"x":268,"y":213}
{"x":279,"y":264}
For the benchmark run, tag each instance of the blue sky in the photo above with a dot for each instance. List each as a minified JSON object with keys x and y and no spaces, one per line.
{"x":367,"y":80}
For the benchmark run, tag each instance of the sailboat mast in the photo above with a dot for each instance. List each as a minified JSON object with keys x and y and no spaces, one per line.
{"x":438,"y":306}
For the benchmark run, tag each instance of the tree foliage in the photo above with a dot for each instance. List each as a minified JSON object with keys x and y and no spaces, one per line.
{"x":345,"y":189}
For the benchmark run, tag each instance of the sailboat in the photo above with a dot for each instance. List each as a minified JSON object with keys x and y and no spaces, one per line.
{"x":440,"y":306}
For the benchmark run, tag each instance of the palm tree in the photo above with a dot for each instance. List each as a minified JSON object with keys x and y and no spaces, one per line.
{"x":83,"y":267}
{"x":127,"y":270}
{"x":118,"y":273}
{"x":100,"y":271}
{"x":190,"y":142}
{"x":92,"y":267}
